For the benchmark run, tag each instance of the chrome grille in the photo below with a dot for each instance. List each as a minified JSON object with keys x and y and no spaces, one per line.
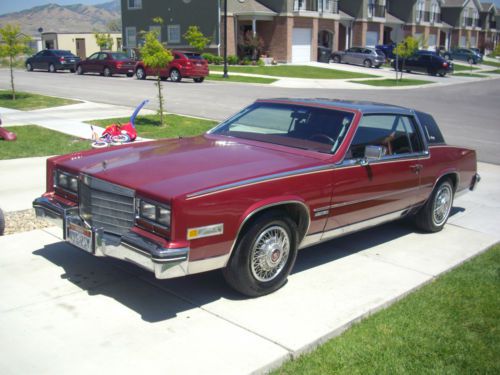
{"x":105,"y":205}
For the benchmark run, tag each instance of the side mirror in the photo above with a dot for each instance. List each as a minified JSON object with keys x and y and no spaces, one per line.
{"x":374,"y":152}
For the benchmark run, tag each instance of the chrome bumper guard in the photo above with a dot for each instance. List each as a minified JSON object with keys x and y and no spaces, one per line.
{"x":163,"y":262}
{"x":475,"y":181}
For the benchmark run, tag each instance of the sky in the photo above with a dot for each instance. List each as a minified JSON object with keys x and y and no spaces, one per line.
{"x":7,"y":6}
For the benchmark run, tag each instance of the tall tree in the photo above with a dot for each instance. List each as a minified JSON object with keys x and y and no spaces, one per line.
{"x":156,"y":56}
{"x":12,"y":45}
{"x":195,"y":38}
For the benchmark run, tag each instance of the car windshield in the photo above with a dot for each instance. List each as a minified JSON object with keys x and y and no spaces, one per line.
{"x":63,"y":53}
{"x":119,"y":56}
{"x":379,"y":52}
{"x":303,"y":127}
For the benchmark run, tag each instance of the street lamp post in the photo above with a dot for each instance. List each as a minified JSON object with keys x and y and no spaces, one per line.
{"x":225,"y":75}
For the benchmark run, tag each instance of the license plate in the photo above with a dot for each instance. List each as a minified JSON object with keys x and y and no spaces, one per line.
{"x":130,"y":71}
{"x":80,"y":237}
{"x":72,"y":60}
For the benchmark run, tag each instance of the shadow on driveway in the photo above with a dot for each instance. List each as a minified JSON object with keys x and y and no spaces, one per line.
{"x":158,"y":300}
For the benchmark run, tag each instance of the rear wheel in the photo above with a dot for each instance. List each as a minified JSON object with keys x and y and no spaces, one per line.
{"x":140,"y":73}
{"x":433,"y":215}
{"x":79,"y":70}
{"x":107,"y":72}
{"x":72,"y":70}
{"x":442,"y":74}
{"x":175,"y":75}
{"x":29,"y":67}
{"x":367,"y":63}
{"x":336,"y":59}
{"x":471,"y":61}
{"x":199,"y":79}
{"x":264,"y":255}
{"x":52,"y":68}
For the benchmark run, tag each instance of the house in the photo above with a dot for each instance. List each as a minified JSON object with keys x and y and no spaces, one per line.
{"x":81,"y":44}
{"x":488,"y":36}
{"x":293,"y":30}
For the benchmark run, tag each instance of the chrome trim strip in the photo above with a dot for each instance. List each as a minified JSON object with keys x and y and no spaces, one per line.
{"x":257,"y":180}
{"x":316,"y":238}
{"x":208,"y":264}
{"x":343,"y":204}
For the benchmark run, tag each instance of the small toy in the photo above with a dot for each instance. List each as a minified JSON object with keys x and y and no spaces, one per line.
{"x":5,"y":134}
{"x":117,"y":134}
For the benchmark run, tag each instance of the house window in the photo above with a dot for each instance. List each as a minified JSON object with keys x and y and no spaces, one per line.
{"x":157,"y":30}
{"x":174,"y":33}
{"x":134,"y":4}
{"x":435,"y":12}
{"x":420,"y":11}
{"x":130,"y":37}
{"x":371,"y":6}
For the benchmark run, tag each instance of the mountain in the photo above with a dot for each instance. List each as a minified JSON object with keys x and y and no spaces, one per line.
{"x":69,"y":18}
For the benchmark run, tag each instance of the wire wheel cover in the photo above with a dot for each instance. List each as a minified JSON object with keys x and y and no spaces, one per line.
{"x":442,"y":204}
{"x":270,"y":253}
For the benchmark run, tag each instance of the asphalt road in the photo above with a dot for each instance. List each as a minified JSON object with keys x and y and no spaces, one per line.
{"x":468,"y":114}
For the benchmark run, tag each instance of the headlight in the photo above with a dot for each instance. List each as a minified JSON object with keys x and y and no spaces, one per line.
{"x":155,"y":213}
{"x":66,"y":181}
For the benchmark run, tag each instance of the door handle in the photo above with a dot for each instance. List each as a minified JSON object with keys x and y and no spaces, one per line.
{"x":416,"y":167}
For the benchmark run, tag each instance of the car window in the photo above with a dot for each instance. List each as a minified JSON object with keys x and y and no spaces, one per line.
{"x":94,"y":56}
{"x":396,"y":134}
{"x":368,"y":51}
{"x":46,"y":53}
{"x":102,"y":56}
{"x":63,"y":53}
{"x":194,"y":56}
{"x":379,"y":52}
{"x":177,"y":56}
{"x":296,"y":126}
{"x":119,"y":56}
{"x":431,"y":130}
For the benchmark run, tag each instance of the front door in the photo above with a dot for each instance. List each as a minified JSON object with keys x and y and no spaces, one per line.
{"x":80,"y":48}
{"x":386,"y":186}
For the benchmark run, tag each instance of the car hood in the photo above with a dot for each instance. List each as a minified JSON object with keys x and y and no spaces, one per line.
{"x":169,"y":168}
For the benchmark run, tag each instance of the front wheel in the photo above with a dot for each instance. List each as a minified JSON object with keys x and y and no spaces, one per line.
{"x":130,"y":74}
{"x":471,"y":61}
{"x":175,"y":75}
{"x":52,"y":68}
{"x":442,"y":74}
{"x":29,"y":67}
{"x":106,"y":72}
{"x":336,"y":59}
{"x":367,"y":63}
{"x":79,"y":70}
{"x":199,"y":79}
{"x":433,"y":215}
{"x":264,"y":255}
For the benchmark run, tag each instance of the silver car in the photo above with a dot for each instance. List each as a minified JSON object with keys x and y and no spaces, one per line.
{"x":365,"y":56}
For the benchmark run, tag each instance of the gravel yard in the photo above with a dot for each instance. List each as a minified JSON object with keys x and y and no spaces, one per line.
{"x":23,"y":221}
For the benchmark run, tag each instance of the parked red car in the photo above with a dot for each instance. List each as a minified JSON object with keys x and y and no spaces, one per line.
{"x":278,"y":176}
{"x":107,"y":64}
{"x":184,"y":65}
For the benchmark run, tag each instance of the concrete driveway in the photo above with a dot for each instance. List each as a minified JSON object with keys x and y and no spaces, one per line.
{"x":64,"y":311}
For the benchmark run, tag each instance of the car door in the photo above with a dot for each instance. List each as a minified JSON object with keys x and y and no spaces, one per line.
{"x":101,"y":62}
{"x":349,"y":56}
{"x":89,"y":65}
{"x":364,"y":189}
{"x":44,"y":61}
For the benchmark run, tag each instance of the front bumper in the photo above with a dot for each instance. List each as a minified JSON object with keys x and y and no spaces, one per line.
{"x":165,"y":263}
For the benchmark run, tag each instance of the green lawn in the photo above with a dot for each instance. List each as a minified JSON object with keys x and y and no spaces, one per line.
{"x":450,"y":326}
{"x":462,"y":68}
{"x":33,"y":140}
{"x":472,"y":75}
{"x":491,"y":63}
{"x":496,"y":71}
{"x":236,"y":78}
{"x":176,"y":126}
{"x":29,"y":101}
{"x":293,"y":71}
{"x":390,"y":82}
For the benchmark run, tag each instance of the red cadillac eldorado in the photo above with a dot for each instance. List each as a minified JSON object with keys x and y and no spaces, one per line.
{"x":279,"y":176}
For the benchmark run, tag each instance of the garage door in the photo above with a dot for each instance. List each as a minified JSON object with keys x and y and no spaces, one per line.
{"x":301,"y":45}
{"x":371,"y":38}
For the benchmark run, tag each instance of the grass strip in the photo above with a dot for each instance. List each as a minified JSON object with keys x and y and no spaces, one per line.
{"x":471,"y":75}
{"x":294,"y":71}
{"x":450,"y":326}
{"x":148,"y":126}
{"x":496,"y":71}
{"x":463,"y":68}
{"x":33,"y":140}
{"x":243,"y":79}
{"x":391,"y":82}
{"x":491,"y":63}
{"x":29,"y":101}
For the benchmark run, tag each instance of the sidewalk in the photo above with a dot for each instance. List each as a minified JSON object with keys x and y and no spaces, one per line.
{"x":66,"y":311}
{"x":69,"y":119}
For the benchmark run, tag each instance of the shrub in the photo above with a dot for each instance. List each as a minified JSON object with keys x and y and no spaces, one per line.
{"x":232,"y":60}
{"x":260,"y":62}
{"x":209,"y":57}
{"x":217,"y":60}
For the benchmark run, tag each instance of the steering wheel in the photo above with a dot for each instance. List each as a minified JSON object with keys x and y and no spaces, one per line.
{"x":319,"y":137}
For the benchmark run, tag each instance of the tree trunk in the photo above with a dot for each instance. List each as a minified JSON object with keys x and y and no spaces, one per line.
{"x":160,"y":97}
{"x":12,"y":79}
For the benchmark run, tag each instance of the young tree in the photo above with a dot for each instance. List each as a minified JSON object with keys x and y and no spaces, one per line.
{"x":156,"y":56}
{"x":13,"y":44}
{"x":195,"y":38}
{"x":103,"y":40}
{"x":404,"y":50}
